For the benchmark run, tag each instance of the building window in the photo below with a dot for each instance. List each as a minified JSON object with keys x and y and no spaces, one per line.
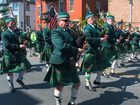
{"x":15,"y":6}
{"x":3,"y":1}
{"x":98,"y":7}
{"x":61,"y":6}
{"x":21,"y":24}
{"x":27,"y":20}
{"x":39,"y":11}
{"x":27,"y":7}
{"x":71,"y":5}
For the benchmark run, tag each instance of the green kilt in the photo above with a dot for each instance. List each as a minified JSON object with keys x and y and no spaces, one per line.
{"x":62,"y":74}
{"x":134,"y":47}
{"x":14,"y":64}
{"x":46,"y":53}
{"x":94,"y":62}
{"x":39,"y":47}
{"x":127,"y":47}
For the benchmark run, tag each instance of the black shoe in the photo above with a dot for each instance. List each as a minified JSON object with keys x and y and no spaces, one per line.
{"x":98,"y":84}
{"x":71,"y":103}
{"x":90,"y":88}
{"x":12,"y":89}
{"x":20,"y":82}
{"x":122,"y":64}
{"x":112,"y":73}
{"x":35,"y":55}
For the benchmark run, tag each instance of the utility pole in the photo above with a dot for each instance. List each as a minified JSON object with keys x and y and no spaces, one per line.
{"x":130,"y":10}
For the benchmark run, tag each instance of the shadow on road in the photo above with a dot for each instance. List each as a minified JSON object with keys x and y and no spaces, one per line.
{"x":18,"y":98}
{"x":36,"y":86}
{"x":110,"y":98}
{"x":127,"y":78}
{"x":37,"y":68}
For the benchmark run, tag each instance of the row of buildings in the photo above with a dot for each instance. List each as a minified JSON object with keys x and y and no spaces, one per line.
{"x":30,"y":12}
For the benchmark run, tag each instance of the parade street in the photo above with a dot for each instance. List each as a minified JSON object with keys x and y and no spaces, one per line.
{"x":123,"y":89}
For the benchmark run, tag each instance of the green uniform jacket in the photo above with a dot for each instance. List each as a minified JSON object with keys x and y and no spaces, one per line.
{"x":14,"y":59}
{"x":63,"y":46}
{"x":110,"y":31}
{"x":93,"y":59}
{"x":108,"y":47}
{"x":63,"y":70}
{"x":39,"y":41}
{"x":47,"y":51}
{"x":135,"y":41}
{"x":120,"y":45}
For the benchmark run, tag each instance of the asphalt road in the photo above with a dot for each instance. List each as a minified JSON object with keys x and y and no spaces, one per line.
{"x":123,"y":89}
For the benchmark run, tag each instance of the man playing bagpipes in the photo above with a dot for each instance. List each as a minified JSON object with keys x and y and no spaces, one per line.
{"x":63,"y":71}
{"x":108,"y":46}
{"x":39,"y":43}
{"x":128,"y":38}
{"x":93,"y":59}
{"x":135,"y":42}
{"x":48,"y":47}
{"x":14,"y":57}
{"x":119,"y":45}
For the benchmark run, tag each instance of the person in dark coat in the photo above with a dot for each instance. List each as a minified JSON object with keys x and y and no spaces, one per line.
{"x":48,"y":47}
{"x":63,"y":71}
{"x":14,"y":58}
{"x":93,"y":60}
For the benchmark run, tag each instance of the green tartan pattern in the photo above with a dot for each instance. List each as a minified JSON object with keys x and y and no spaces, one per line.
{"x":88,"y":64}
{"x":92,"y":63}
{"x":127,"y":47}
{"x":46,"y":53}
{"x":8,"y":66}
{"x":134,"y":47}
{"x":39,"y":47}
{"x":120,"y":50}
{"x":62,"y":74}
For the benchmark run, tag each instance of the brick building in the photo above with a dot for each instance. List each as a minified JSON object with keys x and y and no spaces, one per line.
{"x":76,"y":8}
{"x":128,"y":10}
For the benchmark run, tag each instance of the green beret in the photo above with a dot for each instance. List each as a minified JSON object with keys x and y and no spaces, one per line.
{"x":110,"y":17}
{"x":89,"y":14}
{"x":7,"y":20}
{"x":62,"y":15}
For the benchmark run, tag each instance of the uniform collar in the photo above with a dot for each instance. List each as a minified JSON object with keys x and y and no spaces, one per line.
{"x":92,"y":25}
{"x":10,"y":29}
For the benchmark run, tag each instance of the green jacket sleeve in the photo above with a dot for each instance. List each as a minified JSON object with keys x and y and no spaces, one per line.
{"x":60,"y":43}
{"x":7,"y":43}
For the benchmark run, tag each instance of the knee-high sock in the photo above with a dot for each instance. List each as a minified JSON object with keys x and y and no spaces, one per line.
{"x":113,"y":64}
{"x":20,"y":75}
{"x":10,"y":80}
{"x":57,"y":95}
{"x":74,"y":93}
{"x":87,"y":77}
{"x":98,"y":76}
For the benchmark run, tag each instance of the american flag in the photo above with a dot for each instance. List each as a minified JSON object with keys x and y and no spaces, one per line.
{"x":52,"y":18}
